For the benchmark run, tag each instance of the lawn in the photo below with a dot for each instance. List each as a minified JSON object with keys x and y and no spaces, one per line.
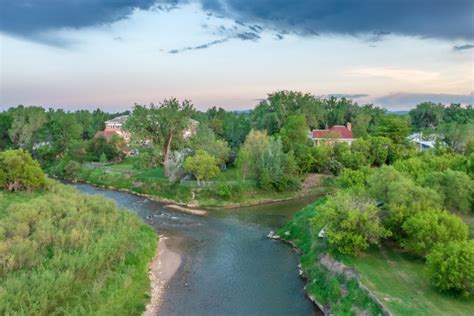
{"x":400,"y":281}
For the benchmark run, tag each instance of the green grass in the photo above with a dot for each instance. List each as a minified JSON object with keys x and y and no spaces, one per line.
{"x":7,"y":198}
{"x":398,"y":279}
{"x":64,"y":253}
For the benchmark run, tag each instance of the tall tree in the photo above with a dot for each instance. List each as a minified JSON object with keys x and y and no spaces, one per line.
{"x":163,"y":124}
{"x":426,"y":115}
{"x":27,"y":121}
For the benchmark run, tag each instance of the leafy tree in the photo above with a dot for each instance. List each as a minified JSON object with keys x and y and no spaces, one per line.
{"x":456,"y":188}
{"x":352,"y":222}
{"x":379,"y":149}
{"x":62,"y":129}
{"x":394,"y":127}
{"x":18,"y":171}
{"x":163,"y":125}
{"x":205,"y":139}
{"x":321,"y":156}
{"x":351,"y":178}
{"x":455,"y":113}
{"x":5,"y":125}
{"x":103,"y":158}
{"x":202,"y":165}
{"x":361,"y":124}
{"x":450,"y":267}
{"x":251,"y":151}
{"x":379,"y":182}
{"x":99,"y":146}
{"x":71,"y":170}
{"x":426,"y":115}
{"x":457,"y":136}
{"x":425,"y":229}
{"x":294,"y":132}
{"x":27,"y":121}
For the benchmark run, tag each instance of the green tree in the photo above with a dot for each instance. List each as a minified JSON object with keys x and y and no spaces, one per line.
{"x":450,"y":267}
{"x":27,"y":121}
{"x":379,"y":149}
{"x":456,"y":188}
{"x":425,"y":229}
{"x":19,"y":172}
{"x":394,"y":127}
{"x":352,"y":222}
{"x":6,"y":121}
{"x":163,"y":125}
{"x":205,"y":139}
{"x":71,"y":170}
{"x":202,"y":165}
{"x":251,"y":151}
{"x":426,"y":115}
{"x":294,"y":132}
{"x":62,"y":129}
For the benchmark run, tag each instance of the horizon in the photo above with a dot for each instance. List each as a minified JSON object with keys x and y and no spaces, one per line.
{"x":231,"y":54}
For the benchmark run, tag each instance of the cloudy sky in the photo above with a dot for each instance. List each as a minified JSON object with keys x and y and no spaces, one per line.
{"x":231,"y":53}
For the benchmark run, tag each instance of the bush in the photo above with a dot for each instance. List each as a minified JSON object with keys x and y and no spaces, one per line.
{"x":451,"y":267}
{"x":456,"y":188}
{"x":71,"y":170}
{"x":425,"y":229}
{"x":352,"y":222}
{"x":19,"y":172}
{"x":64,"y":253}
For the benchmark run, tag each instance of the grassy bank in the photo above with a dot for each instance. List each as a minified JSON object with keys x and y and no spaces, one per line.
{"x":226,"y":191}
{"x":396,"y":279}
{"x":66,"y":253}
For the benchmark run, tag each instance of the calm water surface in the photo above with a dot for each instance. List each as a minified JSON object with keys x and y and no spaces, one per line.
{"x":229,"y":266}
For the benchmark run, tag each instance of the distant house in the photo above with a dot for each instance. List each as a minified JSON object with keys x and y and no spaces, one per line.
{"x":337,"y":133}
{"x":421,"y":143}
{"x":114,"y":127}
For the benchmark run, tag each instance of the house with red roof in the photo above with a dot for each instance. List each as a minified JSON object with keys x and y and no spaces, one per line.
{"x":337,"y":133}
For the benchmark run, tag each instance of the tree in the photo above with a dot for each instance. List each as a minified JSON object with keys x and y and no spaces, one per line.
{"x":379,"y":149}
{"x":202,"y":165}
{"x":294,"y":132}
{"x":352,"y":222}
{"x":394,"y":127}
{"x":426,"y":115}
{"x":425,"y":229}
{"x":5,"y":125}
{"x":205,"y":139}
{"x":403,"y":200}
{"x":19,"y":172}
{"x":457,"y":136}
{"x":71,"y":170}
{"x":456,"y":188}
{"x":450,"y":267}
{"x":250,"y":152}
{"x":62,"y":129}
{"x":163,"y":125}
{"x":27,"y":121}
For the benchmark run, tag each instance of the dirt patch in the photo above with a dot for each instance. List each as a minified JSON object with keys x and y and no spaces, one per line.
{"x":337,"y":267}
{"x":186,"y":209}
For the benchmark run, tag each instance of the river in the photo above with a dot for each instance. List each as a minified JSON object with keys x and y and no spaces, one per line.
{"x":229,"y":266}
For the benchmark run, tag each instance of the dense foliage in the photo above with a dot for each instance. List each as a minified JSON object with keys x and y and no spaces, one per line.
{"x":67,"y":253}
{"x":18,"y":171}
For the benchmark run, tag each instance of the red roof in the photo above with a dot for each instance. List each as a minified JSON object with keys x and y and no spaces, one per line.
{"x":337,"y":131}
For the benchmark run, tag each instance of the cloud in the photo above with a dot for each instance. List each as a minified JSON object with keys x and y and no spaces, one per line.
{"x":27,"y":18}
{"x":346,"y":95}
{"x":412,"y":75}
{"x":463,"y":47}
{"x":202,"y":46}
{"x":247,"y":36}
{"x":404,"y":100}
{"x":425,"y":18}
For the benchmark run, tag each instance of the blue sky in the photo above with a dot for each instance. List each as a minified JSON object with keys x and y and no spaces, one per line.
{"x":230,"y":53}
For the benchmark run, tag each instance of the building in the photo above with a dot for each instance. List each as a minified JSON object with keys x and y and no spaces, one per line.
{"x":337,"y":133}
{"x":421,"y":143}
{"x":114,"y":127}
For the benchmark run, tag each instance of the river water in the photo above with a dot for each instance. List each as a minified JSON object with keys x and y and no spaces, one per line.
{"x":229,"y":266}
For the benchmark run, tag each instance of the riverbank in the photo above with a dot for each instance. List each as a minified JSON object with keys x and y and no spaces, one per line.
{"x":227,"y":193}
{"x":383,"y":280}
{"x":162,"y":268}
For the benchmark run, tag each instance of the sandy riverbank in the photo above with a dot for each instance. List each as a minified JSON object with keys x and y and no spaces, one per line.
{"x":162,"y":268}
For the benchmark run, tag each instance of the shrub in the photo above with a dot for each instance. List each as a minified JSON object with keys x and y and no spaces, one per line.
{"x":450,"y":267}
{"x":352,"y":222}
{"x":456,"y":188}
{"x":18,"y":171}
{"x":71,"y":170}
{"x":425,"y":229}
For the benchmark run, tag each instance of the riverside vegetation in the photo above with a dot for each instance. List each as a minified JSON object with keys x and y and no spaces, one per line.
{"x":393,"y":208}
{"x":62,"y":252}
